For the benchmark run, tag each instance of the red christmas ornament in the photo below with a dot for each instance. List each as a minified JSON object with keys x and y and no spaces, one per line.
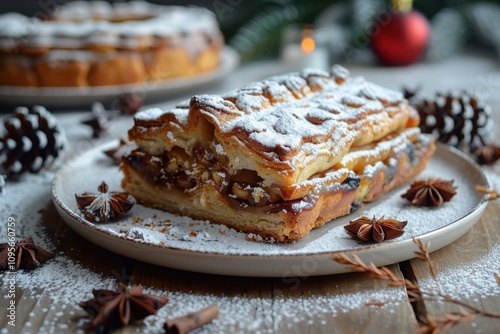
{"x":400,"y":37}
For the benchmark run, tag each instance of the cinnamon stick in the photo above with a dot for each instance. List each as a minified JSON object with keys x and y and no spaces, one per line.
{"x":187,"y":323}
{"x":492,"y":193}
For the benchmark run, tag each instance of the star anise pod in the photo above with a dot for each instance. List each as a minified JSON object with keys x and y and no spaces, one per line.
{"x":372,"y":229}
{"x":98,"y":120}
{"x":410,"y":93}
{"x":119,"y":308}
{"x":128,"y":104}
{"x":487,"y":154}
{"x":116,"y":153}
{"x":432,"y":192}
{"x":28,"y":255}
{"x":105,"y":206}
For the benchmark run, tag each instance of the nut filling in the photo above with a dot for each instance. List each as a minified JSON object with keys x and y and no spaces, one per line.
{"x":243,"y":189}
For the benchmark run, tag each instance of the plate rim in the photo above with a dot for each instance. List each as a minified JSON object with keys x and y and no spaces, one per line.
{"x":77,"y":219}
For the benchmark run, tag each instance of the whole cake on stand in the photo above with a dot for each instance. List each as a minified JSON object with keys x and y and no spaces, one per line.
{"x":95,"y":43}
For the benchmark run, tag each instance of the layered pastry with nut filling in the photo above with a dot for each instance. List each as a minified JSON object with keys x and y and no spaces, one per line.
{"x":277,"y":157}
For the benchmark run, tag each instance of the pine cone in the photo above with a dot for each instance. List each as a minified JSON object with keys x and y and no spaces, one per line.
{"x":30,"y":140}
{"x":460,"y":121}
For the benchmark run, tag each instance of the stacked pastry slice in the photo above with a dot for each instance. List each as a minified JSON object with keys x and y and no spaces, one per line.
{"x":278,"y":157}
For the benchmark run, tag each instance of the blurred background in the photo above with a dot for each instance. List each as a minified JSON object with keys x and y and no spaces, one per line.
{"x":256,"y":28}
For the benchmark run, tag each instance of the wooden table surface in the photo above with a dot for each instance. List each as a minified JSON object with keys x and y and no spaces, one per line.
{"x":47,"y":302}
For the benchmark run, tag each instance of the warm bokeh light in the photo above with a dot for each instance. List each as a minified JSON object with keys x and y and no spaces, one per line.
{"x":308,"y":44}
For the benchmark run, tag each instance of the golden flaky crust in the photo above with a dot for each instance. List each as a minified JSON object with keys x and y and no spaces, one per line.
{"x":286,"y":128}
{"x":277,"y":157}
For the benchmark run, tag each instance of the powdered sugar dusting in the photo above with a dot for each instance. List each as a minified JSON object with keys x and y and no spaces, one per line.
{"x":474,"y":275}
{"x":149,"y":114}
{"x":278,"y":126}
{"x":83,"y":27}
{"x":394,"y":144}
{"x":270,"y":315}
{"x":297,"y":115}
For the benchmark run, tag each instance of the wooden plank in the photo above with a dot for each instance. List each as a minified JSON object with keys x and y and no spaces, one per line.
{"x":466,"y":273}
{"x":23,"y":306}
{"x":244,"y":302}
{"x":348,"y":303}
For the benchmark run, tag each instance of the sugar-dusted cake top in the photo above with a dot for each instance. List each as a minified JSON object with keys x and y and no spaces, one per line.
{"x":81,"y":23}
{"x":296,"y":124}
{"x":282,"y":114}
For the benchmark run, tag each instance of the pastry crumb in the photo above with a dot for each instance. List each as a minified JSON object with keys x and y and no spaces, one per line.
{"x":253,"y":237}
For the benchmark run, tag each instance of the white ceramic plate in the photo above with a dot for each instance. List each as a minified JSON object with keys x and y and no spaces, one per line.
{"x":179,"y":242}
{"x":65,"y":97}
